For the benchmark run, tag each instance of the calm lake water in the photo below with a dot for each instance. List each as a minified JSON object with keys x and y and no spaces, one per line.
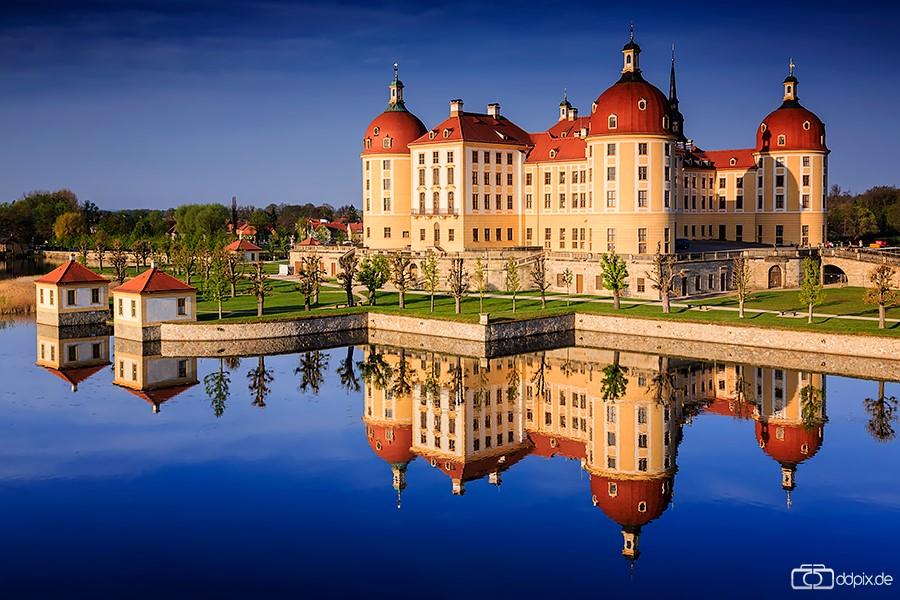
{"x":379,"y":471}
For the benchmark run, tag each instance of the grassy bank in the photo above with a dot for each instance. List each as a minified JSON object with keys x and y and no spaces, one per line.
{"x":17,"y":295}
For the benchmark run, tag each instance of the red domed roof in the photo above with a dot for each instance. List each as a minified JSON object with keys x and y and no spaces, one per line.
{"x":394,"y":451}
{"x":625,"y":506}
{"x":801,"y":128}
{"x":793,"y":445}
{"x":623,"y":99}
{"x":400,"y":126}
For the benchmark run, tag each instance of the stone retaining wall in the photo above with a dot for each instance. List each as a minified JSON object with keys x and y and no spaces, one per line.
{"x":213,"y":332}
{"x":778,"y":339}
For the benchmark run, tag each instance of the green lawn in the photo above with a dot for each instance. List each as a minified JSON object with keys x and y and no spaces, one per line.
{"x":282,"y":302}
{"x":836,"y":301}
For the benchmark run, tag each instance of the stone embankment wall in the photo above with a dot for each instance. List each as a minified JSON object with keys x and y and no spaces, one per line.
{"x":779,"y":339}
{"x":214,"y":332}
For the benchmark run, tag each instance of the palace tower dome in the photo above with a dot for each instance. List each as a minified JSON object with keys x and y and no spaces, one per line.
{"x":391,"y":131}
{"x":791,"y":126}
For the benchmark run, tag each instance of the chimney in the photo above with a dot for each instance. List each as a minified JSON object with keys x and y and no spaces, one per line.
{"x":456,"y":107}
{"x":572,"y":114}
{"x":493,"y":110}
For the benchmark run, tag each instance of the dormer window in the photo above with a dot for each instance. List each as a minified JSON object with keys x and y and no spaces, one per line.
{"x":432,"y":134}
{"x":368,"y":143}
{"x":762,"y":127}
{"x":806,"y":125}
{"x":553,"y":154}
{"x":446,"y":133}
{"x":386,"y":142}
{"x":376,"y":131}
{"x":732,"y":162}
{"x":612,"y":121}
{"x":642,"y":506}
{"x":642,"y":104}
{"x":593,"y":107}
{"x":781,"y":140}
{"x":563,"y":134}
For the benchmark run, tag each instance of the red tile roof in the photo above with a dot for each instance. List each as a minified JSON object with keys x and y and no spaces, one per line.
{"x":154,"y":281}
{"x":548,"y":148}
{"x":549,"y":446}
{"x":566,"y":128}
{"x":160,"y":395}
{"x":71,"y":272}
{"x":475,"y":127}
{"x":743,"y":158}
{"x":242,"y":245}
{"x":75,"y":376}
{"x":310,"y":241}
{"x":623,"y":507}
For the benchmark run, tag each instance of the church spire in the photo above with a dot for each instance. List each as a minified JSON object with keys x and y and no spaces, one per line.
{"x":790,"y":85}
{"x":673,"y":91}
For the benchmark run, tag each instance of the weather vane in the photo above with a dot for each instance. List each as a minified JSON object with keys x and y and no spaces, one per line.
{"x":631,"y":29}
{"x":791,"y":65}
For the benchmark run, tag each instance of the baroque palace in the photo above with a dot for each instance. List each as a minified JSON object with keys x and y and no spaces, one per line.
{"x":624,"y":178}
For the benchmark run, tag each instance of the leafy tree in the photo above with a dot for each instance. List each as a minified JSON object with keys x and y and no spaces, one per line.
{"x":812,"y":401}
{"x":119,"y":258}
{"x":480,"y":277}
{"x":662,"y":276}
{"x":614,"y":382}
{"x":185,"y":258}
{"x":216,"y":285}
{"x":233,"y":269}
{"x":810,"y":286}
{"x":193,"y":221}
{"x":568,"y":277}
{"x":614,"y":273}
{"x":84,"y":249}
{"x":511,"y":272}
{"x":401,"y":274}
{"x":374,"y":272}
{"x":259,"y":287}
{"x":100,"y":247}
{"x":260,"y":378}
{"x":91,"y":213}
{"x":348,"y":214}
{"x":322,"y":234}
{"x":882,"y":415}
{"x":217,"y":386}
{"x":142,"y":249}
{"x":309,"y":278}
{"x":457,"y":282}
{"x":741,"y":280}
{"x":539,"y":278}
{"x":881,"y":292}
{"x":431,"y":274}
{"x":311,"y":368}
{"x":69,"y":226}
{"x":375,"y":369}
{"x":348,"y":263}
{"x":404,"y":376}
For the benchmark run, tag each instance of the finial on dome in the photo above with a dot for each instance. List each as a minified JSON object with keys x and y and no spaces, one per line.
{"x":791,"y":66}
{"x":631,"y":32}
{"x":565,"y":94}
{"x":396,"y":71}
{"x":673,"y":53}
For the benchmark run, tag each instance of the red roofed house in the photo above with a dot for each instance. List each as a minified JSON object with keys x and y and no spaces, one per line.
{"x":71,"y":294}
{"x":72,"y":358}
{"x":151,"y":298}
{"x":249,"y":251}
{"x":152,"y":378}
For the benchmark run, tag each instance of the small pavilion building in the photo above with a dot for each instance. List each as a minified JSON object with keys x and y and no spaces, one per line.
{"x":151,"y":298}
{"x":249,"y":251}
{"x":71,"y":294}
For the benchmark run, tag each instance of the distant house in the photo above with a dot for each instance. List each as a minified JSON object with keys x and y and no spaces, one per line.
{"x":250,"y":252}
{"x":246,"y":231}
{"x":71,"y":294}
{"x":151,"y":298}
{"x":310,"y":241}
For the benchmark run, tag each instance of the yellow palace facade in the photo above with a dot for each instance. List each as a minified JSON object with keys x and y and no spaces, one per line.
{"x":624,"y":178}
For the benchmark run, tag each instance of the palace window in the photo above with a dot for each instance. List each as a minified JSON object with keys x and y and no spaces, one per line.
{"x":546,"y":200}
{"x":642,"y":173}
{"x":610,"y":173}
{"x":642,"y":148}
{"x":387,"y":232}
{"x":528,"y":178}
{"x":805,"y":161}
{"x":610,"y":149}
{"x":642,"y":198}
{"x":611,"y":198}
{"x":642,"y":240}
{"x":612,"y":121}
{"x":386,"y":142}
{"x":528,"y":202}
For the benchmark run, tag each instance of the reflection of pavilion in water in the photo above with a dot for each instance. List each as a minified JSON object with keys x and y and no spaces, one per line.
{"x":72,"y":353}
{"x":619,"y":414}
{"x":140,"y":369}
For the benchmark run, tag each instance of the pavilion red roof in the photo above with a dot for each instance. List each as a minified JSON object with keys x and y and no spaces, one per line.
{"x":154,"y":281}
{"x":71,"y":272}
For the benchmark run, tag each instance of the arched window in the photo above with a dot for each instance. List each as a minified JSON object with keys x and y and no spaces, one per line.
{"x":642,"y":104}
{"x":446,"y":133}
{"x":781,"y":140}
{"x":732,"y":162}
{"x":806,"y":125}
{"x":368,"y":143}
{"x":612,"y":122}
{"x":762,"y":127}
{"x":432,"y":134}
{"x":553,"y":154}
{"x":376,"y":131}
{"x":450,"y":202}
{"x":386,"y":142}
{"x":422,"y":202}
{"x":435,"y":203}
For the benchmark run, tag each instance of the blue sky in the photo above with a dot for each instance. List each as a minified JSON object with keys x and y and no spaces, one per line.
{"x":133,"y":103}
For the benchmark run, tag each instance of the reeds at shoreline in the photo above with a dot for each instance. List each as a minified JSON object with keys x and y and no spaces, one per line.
{"x":17,"y":295}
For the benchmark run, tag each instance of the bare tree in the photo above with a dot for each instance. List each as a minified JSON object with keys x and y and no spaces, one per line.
{"x":401,"y":274}
{"x":142,"y":250}
{"x":308,"y":278}
{"x":741,"y":280}
{"x":348,"y":263}
{"x":539,"y":278}
{"x":233,"y":269}
{"x":568,"y":277}
{"x":431,"y":274}
{"x":458,"y":282}
{"x":663,"y":274}
{"x":511,"y":270}
{"x":881,"y":292}
{"x":100,"y":248}
{"x":84,"y":249}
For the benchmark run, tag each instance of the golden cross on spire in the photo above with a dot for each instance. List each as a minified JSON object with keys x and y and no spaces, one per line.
{"x":631,"y":30}
{"x":396,"y":71}
{"x":791,"y":65}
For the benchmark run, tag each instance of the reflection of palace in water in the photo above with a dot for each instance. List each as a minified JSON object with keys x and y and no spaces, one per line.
{"x":620,"y":414}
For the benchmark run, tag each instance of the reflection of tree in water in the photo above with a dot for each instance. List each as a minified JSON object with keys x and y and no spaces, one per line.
{"x":375,"y":370}
{"x":232,"y":362}
{"x":614,"y":382}
{"x":457,"y":389}
{"x":404,"y":376}
{"x":812,"y":401}
{"x":743,"y":390}
{"x":217,"y":384}
{"x":311,"y":369}
{"x":881,"y":412}
{"x":260,"y":378}
{"x":347,"y":372}
{"x":513,"y":379}
{"x":431,"y":385}
{"x":539,"y":379}
{"x":481,"y":382}
{"x":661,"y":386}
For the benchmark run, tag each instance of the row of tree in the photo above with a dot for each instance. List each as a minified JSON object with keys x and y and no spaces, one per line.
{"x":854,"y":217}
